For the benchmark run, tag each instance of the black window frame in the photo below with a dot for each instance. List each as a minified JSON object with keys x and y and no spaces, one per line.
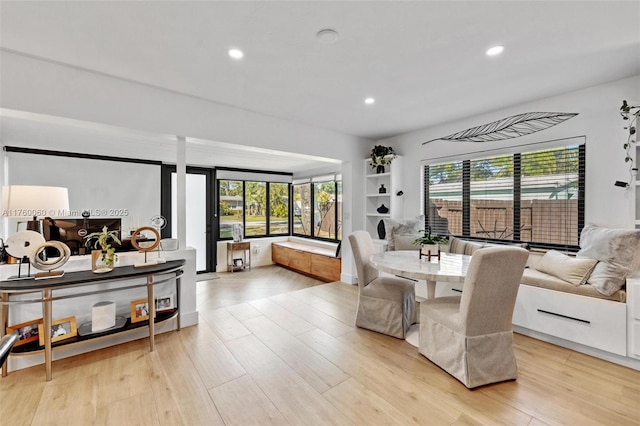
{"x":268,"y":233}
{"x":312,"y":202}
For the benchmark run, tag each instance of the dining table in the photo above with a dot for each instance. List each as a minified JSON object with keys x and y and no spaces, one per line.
{"x":449,"y":267}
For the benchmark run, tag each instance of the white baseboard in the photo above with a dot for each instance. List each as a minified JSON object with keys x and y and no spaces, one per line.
{"x":597,"y":353}
{"x":348,"y":278}
{"x":188,"y":319}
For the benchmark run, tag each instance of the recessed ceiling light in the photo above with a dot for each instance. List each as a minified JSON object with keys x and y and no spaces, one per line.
{"x":495,"y":50}
{"x":236,"y":53}
{"x":327,"y":36}
{"x":369,"y":101}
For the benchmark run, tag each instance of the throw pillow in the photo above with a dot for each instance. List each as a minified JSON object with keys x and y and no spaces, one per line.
{"x":410,"y":226}
{"x":618,"y":251}
{"x":608,"y":278}
{"x":569,"y":269}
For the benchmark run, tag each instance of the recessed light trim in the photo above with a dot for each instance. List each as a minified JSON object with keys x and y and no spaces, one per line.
{"x":327,"y":36}
{"x":236,"y":53}
{"x":495,"y":50}
{"x":369,"y":101}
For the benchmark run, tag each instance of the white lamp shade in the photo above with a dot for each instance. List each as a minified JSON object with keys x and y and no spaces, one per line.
{"x":33,"y":201}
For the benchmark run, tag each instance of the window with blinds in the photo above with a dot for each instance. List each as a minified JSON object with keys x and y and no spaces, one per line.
{"x":534,"y":196}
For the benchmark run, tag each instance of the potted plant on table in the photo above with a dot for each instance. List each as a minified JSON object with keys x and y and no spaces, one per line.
{"x":380,"y":156}
{"x":103,"y":259}
{"x":429,"y":243}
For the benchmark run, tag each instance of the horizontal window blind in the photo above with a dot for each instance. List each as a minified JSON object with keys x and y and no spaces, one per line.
{"x":534,"y":196}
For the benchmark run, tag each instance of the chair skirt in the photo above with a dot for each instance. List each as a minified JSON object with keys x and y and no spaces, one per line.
{"x":473,"y":360}
{"x":388,"y":308}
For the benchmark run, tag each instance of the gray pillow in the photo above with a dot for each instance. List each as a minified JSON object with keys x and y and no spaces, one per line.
{"x":618,"y":253}
{"x":410,"y":226}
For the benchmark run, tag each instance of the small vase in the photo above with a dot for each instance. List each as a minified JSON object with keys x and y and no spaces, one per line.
{"x":102,"y":262}
{"x":380,"y":169}
{"x":382,"y":189}
{"x":383,"y":209}
{"x":382,"y":233}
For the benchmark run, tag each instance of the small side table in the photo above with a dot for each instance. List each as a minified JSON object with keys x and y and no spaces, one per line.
{"x":238,"y":263}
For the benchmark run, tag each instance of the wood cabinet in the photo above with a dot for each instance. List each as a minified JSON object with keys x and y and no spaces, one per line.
{"x":314,"y":261}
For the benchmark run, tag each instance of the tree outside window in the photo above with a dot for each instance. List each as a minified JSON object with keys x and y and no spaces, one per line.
{"x":231,"y":209}
{"x":255,"y":210}
{"x":279,"y":208}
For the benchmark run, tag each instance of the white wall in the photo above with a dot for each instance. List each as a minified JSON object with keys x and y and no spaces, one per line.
{"x":129,"y":191}
{"x":598,"y":120}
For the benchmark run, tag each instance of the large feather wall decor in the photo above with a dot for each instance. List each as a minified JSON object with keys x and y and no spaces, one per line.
{"x":510,"y":127}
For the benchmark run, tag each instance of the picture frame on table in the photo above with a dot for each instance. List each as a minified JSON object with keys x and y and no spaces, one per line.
{"x":27,"y":331}
{"x":164,"y":303}
{"x":139,"y":310}
{"x":61,"y":329}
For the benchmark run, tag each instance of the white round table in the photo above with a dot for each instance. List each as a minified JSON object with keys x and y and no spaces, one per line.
{"x":451,"y":267}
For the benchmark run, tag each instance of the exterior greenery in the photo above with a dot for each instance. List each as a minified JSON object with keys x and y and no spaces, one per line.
{"x":245,"y":202}
{"x":264,"y":208}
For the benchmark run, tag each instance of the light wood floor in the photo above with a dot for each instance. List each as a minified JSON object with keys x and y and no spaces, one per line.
{"x":273,"y":347}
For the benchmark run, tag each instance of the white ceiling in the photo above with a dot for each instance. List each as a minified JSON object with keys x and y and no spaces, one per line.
{"x":423,"y":61}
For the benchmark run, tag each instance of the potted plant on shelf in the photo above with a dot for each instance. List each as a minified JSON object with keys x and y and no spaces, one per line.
{"x":429,"y":243}
{"x":380,"y":156}
{"x":103,"y":259}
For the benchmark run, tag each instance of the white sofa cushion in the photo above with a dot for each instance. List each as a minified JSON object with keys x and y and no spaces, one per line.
{"x":572,"y":270}
{"x":405,"y":242}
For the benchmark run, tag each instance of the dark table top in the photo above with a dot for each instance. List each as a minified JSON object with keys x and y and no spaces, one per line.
{"x":70,"y":279}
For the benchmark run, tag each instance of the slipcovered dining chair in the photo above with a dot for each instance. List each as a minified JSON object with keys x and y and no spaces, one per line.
{"x":385,"y":304}
{"x":470,"y":336}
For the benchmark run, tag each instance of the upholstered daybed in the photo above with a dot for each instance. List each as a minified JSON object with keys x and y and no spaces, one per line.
{"x":533,"y":276}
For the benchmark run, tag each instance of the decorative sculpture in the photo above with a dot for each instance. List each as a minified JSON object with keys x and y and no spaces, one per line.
{"x":510,"y":127}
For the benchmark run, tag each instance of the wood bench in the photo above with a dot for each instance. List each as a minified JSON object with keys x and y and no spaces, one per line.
{"x":317,"y":262}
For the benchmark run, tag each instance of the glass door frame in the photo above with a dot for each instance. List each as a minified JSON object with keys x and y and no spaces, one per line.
{"x":211,"y":225}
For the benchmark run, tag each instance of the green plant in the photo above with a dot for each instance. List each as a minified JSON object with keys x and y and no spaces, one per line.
{"x":630,"y":113}
{"x":103,"y":240}
{"x":382,"y":155}
{"x":428,"y":238}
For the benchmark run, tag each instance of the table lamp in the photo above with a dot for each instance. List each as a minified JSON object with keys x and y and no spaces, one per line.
{"x":34,"y":201}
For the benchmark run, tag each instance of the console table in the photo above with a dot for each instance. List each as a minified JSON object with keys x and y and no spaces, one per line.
{"x":76,"y":284}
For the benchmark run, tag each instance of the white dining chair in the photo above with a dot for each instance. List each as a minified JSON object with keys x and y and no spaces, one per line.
{"x":385,"y":304}
{"x":470,"y":336}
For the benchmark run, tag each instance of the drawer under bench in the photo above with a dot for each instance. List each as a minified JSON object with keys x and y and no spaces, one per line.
{"x":593,"y":322}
